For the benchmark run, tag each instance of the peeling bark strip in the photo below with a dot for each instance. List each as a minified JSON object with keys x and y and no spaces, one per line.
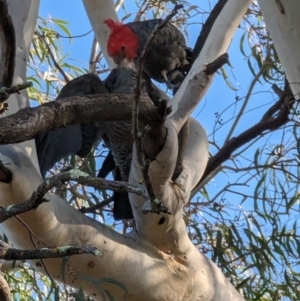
{"x":27,"y":123}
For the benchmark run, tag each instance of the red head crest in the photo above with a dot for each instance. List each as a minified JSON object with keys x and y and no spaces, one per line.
{"x":121,"y":40}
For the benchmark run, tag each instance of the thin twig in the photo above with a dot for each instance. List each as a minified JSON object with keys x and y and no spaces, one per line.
{"x":277,"y":90}
{"x":16,"y":89}
{"x":141,"y":11}
{"x":142,"y":160}
{"x":9,"y":253}
{"x":13,"y":210}
{"x":85,"y":179}
{"x":268,"y":122}
{"x":102,"y":71}
{"x":31,"y":235}
{"x":62,"y":72}
{"x":80,"y":177}
{"x":92,"y":209}
{"x":93,"y":55}
{"x":265,"y":65}
{"x":58,"y":35}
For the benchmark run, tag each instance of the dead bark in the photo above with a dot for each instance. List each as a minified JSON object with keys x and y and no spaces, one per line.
{"x":8,"y":49}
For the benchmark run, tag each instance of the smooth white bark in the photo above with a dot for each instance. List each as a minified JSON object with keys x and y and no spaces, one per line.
{"x":283,"y":23}
{"x":95,"y":44}
{"x":98,"y":11}
{"x":24,"y":15}
{"x":167,"y":232}
{"x":130,"y":261}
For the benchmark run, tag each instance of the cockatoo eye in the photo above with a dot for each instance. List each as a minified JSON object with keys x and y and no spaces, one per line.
{"x":123,"y":51}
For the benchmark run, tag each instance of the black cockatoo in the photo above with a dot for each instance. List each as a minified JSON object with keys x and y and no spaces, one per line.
{"x":79,"y":139}
{"x":118,"y":138}
{"x":118,"y":135}
{"x":73,"y":139}
{"x":168,"y":58}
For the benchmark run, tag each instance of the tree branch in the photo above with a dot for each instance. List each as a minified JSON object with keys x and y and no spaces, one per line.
{"x":71,"y":110}
{"x":267,"y":122}
{"x":92,"y":209}
{"x":206,"y":28}
{"x":214,"y":66}
{"x":85,"y":179}
{"x":16,"y":89}
{"x":80,"y":177}
{"x":9,"y":253}
{"x":216,"y":44}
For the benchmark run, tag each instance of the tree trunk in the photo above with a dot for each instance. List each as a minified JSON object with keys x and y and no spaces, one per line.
{"x":283,"y":23}
{"x":98,"y":11}
{"x":24,"y":21}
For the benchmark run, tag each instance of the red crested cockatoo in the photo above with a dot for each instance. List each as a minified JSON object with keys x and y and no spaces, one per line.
{"x":167,"y":57}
